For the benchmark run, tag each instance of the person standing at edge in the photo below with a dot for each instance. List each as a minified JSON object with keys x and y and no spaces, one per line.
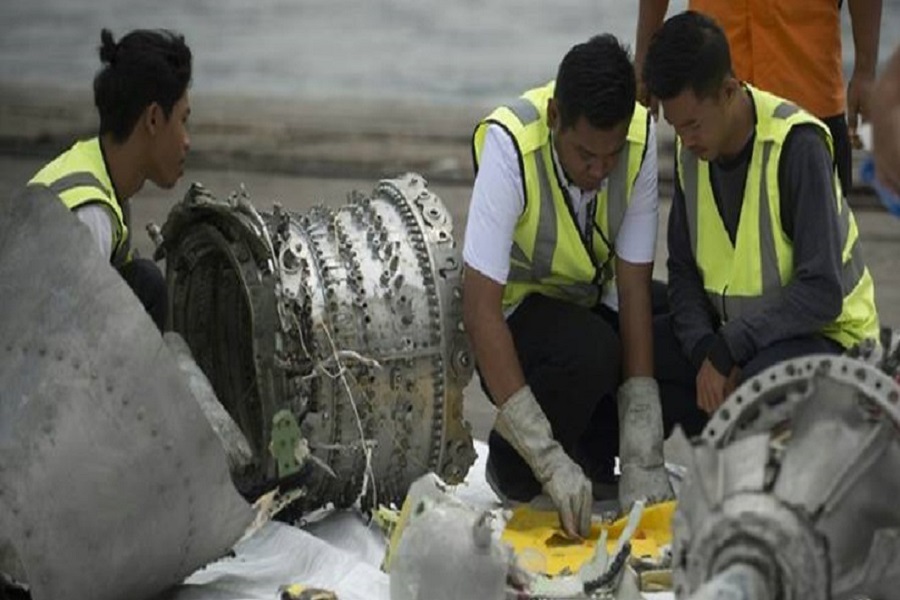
{"x":141,"y":97}
{"x":765,"y":261}
{"x":559,"y":248}
{"x":886,"y":124}
{"x":793,"y":50}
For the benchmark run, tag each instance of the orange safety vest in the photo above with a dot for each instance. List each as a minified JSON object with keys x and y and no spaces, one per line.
{"x":789,"y":48}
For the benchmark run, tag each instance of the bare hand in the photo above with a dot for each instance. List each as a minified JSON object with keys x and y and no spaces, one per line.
{"x":859,"y":92}
{"x":713,"y":387}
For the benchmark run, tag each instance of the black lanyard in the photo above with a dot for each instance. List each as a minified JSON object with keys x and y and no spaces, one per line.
{"x":603,"y":272}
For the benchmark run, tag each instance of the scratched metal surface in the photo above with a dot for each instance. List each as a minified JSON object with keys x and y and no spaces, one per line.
{"x":112,"y":483}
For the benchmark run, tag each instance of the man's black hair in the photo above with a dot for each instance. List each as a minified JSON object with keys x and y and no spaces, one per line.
{"x":596,"y":81}
{"x":689,"y":52}
{"x":144,"y":67}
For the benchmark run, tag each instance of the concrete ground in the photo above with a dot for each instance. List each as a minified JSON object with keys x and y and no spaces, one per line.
{"x":305,"y":153}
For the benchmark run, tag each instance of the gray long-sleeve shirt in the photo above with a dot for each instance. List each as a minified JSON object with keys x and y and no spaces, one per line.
{"x":812,"y":299}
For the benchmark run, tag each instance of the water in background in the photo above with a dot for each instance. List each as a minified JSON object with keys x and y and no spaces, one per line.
{"x":455,"y":51}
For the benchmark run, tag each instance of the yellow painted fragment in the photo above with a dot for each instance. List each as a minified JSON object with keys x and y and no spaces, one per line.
{"x":536,"y":536}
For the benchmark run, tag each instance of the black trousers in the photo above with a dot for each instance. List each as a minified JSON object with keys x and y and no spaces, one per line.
{"x":148,"y":284}
{"x":677,"y":377}
{"x":571,"y":358}
{"x":843,"y":156}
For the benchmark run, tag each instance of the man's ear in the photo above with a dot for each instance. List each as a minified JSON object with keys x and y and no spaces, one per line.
{"x":730,"y":89}
{"x":153,"y":118}
{"x":552,"y":113}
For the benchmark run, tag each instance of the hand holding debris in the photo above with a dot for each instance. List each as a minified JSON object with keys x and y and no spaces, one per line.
{"x":523,"y":424}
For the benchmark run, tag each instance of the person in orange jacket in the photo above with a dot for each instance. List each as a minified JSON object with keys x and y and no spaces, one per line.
{"x":792,"y":49}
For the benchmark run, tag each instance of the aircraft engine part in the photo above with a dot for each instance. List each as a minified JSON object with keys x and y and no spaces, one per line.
{"x":329,"y":336}
{"x":112,"y":482}
{"x":792,"y":489}
{"x":883,"y":353}
{"x":446,"y":550}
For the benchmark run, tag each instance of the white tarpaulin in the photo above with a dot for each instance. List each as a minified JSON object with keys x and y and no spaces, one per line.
{"x":341,"y":553}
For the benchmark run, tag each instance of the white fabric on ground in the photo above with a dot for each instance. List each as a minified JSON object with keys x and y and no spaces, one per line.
{"x":341,"y":553}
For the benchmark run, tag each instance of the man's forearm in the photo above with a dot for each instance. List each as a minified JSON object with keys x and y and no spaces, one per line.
{"x":650,"y":17}
{"x":495,"y":352}
{"x":865,"y":18}
{"x":635,"y":318}
{"x":804,"y":308}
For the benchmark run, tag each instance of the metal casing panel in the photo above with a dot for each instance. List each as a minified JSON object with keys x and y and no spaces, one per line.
{"x":112,"y":483}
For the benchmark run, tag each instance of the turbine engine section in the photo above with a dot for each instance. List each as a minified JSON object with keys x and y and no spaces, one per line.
{"x":792,"y":489}
{"x":334,"y":338}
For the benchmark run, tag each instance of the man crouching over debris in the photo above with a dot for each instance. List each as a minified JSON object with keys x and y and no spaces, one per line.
{"x":559,"y":249}
{"x":141,"y":96}
{"x":765,"y":260}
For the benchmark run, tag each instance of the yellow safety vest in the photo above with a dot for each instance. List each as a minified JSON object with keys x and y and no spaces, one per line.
{"x":549,"y":255}
{"x":79,"y":177}
{"x":744,"y":277}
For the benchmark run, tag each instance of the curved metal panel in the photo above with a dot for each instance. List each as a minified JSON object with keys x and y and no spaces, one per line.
{"x":112,"y":483}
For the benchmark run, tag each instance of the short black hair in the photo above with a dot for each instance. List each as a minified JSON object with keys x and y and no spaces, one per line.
{"x":144,"y":67}
{"x":689,"y":51}
{"x":596,"y":81}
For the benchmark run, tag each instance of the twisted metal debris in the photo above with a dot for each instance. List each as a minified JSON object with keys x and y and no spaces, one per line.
{"x":792,"y":492}
{"x":334,"y":338}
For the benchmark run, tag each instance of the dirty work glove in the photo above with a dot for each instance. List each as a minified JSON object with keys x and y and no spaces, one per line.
{"x":523,"y":424}
{"x":643,"y":469}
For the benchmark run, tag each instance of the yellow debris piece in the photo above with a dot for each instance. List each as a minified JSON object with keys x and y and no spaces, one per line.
{"x":394,"y":525}
{"x":301,"y":592}
{"x":539,"y":541}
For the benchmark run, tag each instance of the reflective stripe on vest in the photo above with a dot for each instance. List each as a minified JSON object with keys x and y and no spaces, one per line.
{"x":75,"y":176}
{"x":539,"y":260}
{"x":77,"y":180}
{"x":735,"y":288}
{"x":121,"y":247}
